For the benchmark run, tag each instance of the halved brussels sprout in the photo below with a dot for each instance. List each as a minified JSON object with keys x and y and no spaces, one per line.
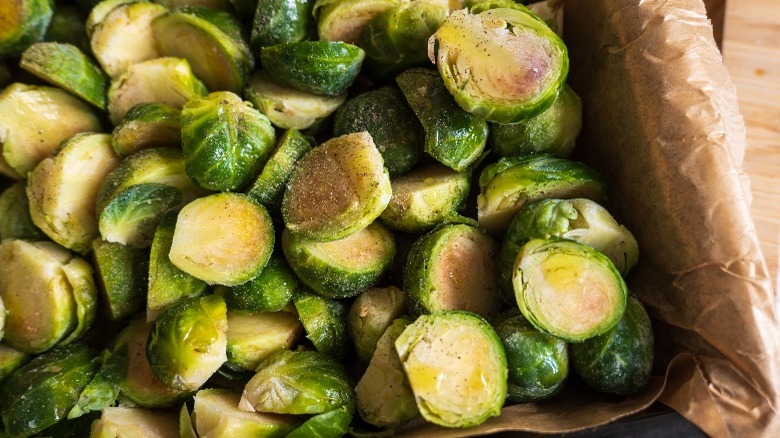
{"x":553,"y":131}
{"x":121,"y":421}
{"x":35,"y":120}
{"x":11,"y":359}
{"x":538,"y":363}
{"x":217,"y":415}
{"x":24,"y":23}
{"x":619,"y":361}
{"x":336,"y":189}
{"x":319,"y":67}
{"x":425,"y":197}
{"x":287,"y":107}
{"x":132,"y":216}
{"x":298,"y":382}
{"x":161,"y":80}
{"x":341,"y":268}
{"x":397,"y":38}
{"x":385,"y":114}
{"x":453,"y":137}
{"x":15,"y":220}
{"x":147,"y":125}
{"x":225,"y":141}
{"x":343,"y":20}
{"x":82,"y":284}
{"x":186,"y":425}
{"x":103,"y":389}
{"x":325,"y":322}
{"x":501,"y":64}
{"x":508,"y":184}
{"x":270,"y":291}
{"x":269,"y":186}
{"x":568,"y":289}
{"x":67,"y":67}
{"x":281,"y":21}
{"x":332,"y":424}
{"x":453,"y":267}
{"x":384,"y":397}
{"x":121,"y":274}
{"x":370,"y":315}
{"x":253,"y":336}
{"x":124,"y":37}
{"x":99,"y":10}
{"x":453,"y":386}
{"x":211,"y":40}
{"x":237,"y":253}
{"x":188,"y":342}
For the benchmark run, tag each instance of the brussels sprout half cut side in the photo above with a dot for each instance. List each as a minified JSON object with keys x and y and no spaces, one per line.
{"x":502,"y":64}
{"x":456,"y":368}
{"x":217,"y":414}
{"x":370,"y":315}
{"x":336,"y":189}
{"x":253,"y":336}
{"x":24,"y":23}
{"x":120,"y":421}
{"x":568,"y":289}
{"x":344,"y":20}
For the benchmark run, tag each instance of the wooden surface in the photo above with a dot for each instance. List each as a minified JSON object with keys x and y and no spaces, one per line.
{"x":751,"y":52}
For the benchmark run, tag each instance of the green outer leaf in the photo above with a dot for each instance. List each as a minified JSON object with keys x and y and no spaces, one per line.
{"x":281,"y":21}
{"x":270,"y":291}
{"x":82,"y":283}
{"x":318,"y":67}
{"x":121,"y":273}
{"x":25,"y":23}
{"x":225,"y":141}
{"x":147,"y":125}
{"x":325,"y":322}
{"x":132,"y":216}
{"x":15,"y":220}
{"x":269,"y":186}
{"x":333,"y":424}
{"x":103,"y":389}
{"x":67,"y":67}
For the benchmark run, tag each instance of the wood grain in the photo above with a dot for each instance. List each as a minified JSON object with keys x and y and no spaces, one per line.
{"x":751,"y":52}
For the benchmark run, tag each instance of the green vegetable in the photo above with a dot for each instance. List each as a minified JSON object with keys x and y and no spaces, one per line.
{"x":10,"y":360}
{"x":132,"y":216}
{"x":269,"y":186}
{"x":99,"y":10}
{"x":103,"y":389}
{"x":298,"y":382}
{"x":325,"y":322}
{"x":217,"y":415}
{"x":235,"y":255}
{"x":186,"y":426}
{"x":67,"y":67}
{"x":502,"y":64}
{"x":432,"y":348}
{"x":391,"y":123}
{"x":370,"y":315}
{"x":568,"y":289}
{"x":319,"y":67}
{"x":343,"y":20}
{"x":119,"y":422}
{"x":538,"y":363}
{"x":121,"y":273}
{"x":333,"y":424}
{"x":15,"y":220}
{"x":68,"y":24}
{"x":225,"y":141}
{"x":147,"y":125}
{"x":618,"y":361}
{"x":251,"y":336}
{"x":24,"y":23}
{"x":336,"y":189}
{"x":271,"y":291}
{"x":452,"y":267}
{"x":188,"y":342}
{"x":281,"y":21}
{"x":79,"y":275}
{"x":453,"y":137}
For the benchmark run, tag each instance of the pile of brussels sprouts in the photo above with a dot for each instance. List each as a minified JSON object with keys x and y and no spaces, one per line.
{"x":227,"y":218}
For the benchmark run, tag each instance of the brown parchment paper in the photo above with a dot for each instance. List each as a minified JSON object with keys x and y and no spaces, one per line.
{"x":662,"y":124}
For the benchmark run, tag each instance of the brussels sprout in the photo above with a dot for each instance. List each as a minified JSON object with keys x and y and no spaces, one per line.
{"x":281,"y":21}
{"x":67,"y":67}
{"x":578,"y":219}
{"x":619,"y":361}
{"x":553,"y":131}
{"x":336,"y":189}
{"x":506,"y":185}
{"x":161,"y":80}
{"x":68,"y":24}
{"x":270,"y":291}
{"x":454,"y":387}
{"x":453,"y":137}
{"x":121,"y":274}
{"x":391,"y":123}
{"x":319,"y":67}
{"x":269,"y":186}
{"x":85,"y":296}
{"x":325,"y":322}
{"x":298,"y":382}
{"x":103,"y":389}
{"x":99,"y":10}
{"x":225,"y":141}
{"x":35,"y":120}
{"x":217,"y":415}
{"x":132,"y":216}
{"x":211,"y":40}
{"x":333,"y":424}
{"x":42,"y":392}
{"x":343,"y":20}
{"x":124,"y":37}
{"x":147,"y":125}
{"x":425,"y":197}
{"x":15,"y":220}
{"x":251,"y":337}
{"x":222,"y":5}
{"x":186,"y":426}
{"x":504,"y":73}
{"x":288,"y":107}
{"x":568,"y":289}
{"x":538,"y":363}
{"x":370,"y":315}
{"x":188,"y":342}
{"x":397,"y":39}
{"x":384,"y":397}
{"x":120,"y":422}
{"x":452,"y":267}
{"x":341,"y":268}
{"x":24,"y":23}
{"x":11,"y":359}
{"x":231,"y":257}
{"x":167,"y":283}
